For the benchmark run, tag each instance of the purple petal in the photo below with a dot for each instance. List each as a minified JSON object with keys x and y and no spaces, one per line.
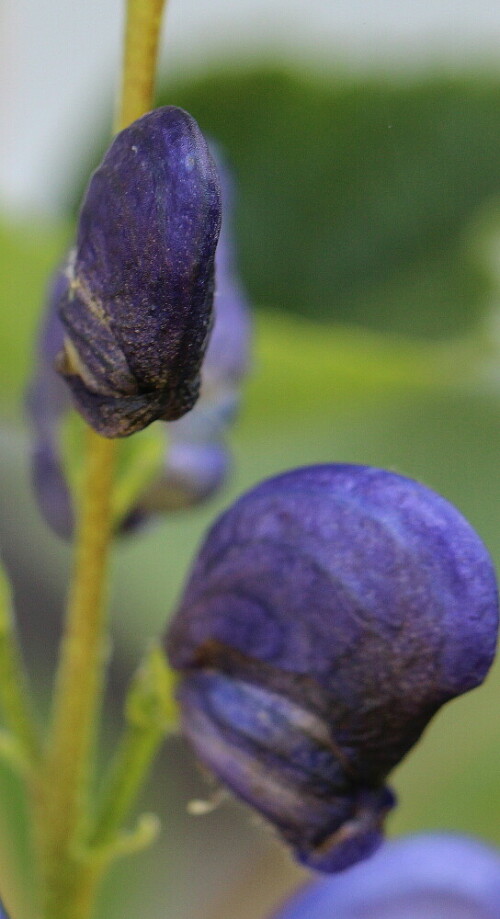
{"x":429,"y":877}
{"x":196,"y":459}
{"x":138,"y":309}
{"x":192,"y":473}
{"x":357,"y":602}
{"x":47,"y":402}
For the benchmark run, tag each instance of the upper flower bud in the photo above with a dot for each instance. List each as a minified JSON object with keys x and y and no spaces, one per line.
{"x":137,"y":303}
{"x":429,"y":877}
{"x":196,"y":459}
{"x":331,"y":611}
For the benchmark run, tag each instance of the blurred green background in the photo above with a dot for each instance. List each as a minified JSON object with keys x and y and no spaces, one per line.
{"x":370,"y":246}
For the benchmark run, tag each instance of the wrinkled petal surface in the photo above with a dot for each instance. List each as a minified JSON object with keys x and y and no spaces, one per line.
{"x":138,"y":307}
{"x":337,"y":607}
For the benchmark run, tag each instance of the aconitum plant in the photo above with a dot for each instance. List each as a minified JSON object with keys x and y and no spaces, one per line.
{"x":331,"y":610}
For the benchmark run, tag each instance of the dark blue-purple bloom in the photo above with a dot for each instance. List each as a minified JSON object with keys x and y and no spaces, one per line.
{"x":427,"y":877}
{"x":331,"y":611}
{"x":196,"y":460}
{"x":137,"y":303}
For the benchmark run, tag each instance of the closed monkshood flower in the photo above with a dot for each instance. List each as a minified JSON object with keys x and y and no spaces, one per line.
{"x":137,"y":303}
{"x":331,"y":611}
{"x":196,"y":460}
{"x":427,"y":877}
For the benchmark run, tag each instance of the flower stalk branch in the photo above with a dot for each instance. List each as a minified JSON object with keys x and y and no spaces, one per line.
{"x":150,"y":714}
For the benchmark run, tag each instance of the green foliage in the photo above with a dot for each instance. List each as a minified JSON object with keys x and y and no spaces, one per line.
{"x":150,"y":701}
{"x":29,"y":254}
{"x":354,"y":192}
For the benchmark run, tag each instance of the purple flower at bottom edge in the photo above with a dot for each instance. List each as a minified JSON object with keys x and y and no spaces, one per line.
{"x":330,"y":612}
{"x":433,"y":876}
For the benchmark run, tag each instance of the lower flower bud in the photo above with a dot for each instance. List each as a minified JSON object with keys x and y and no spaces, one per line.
{"x":330,"y":613}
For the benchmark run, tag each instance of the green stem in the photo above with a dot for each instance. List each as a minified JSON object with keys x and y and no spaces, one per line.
{"x":15,"y":698}
{"x":61,"y":793}
{"x":142,"y":35}
{"x":64,"y":793}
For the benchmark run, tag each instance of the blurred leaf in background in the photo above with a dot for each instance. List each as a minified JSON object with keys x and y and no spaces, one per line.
{"x":353,"y":193}
{"x":29,"y":253}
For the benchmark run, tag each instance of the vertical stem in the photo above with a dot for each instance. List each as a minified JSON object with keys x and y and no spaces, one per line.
{"x":61,"y":795}
{"x":82,"y":652}
{"x":78,"y":682}
{"x":141,"y":49}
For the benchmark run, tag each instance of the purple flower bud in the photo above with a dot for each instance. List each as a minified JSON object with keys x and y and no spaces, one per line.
{"x":429,"y":877}
{"x":331,"y":611}
{"x":196,"y":459}
{"x":47,"y":402}
{"x":192,"y":472}
{"x":138,"y":304}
